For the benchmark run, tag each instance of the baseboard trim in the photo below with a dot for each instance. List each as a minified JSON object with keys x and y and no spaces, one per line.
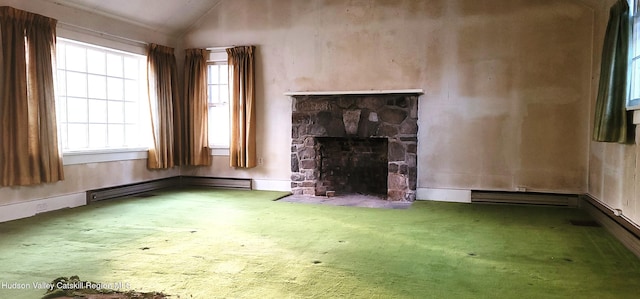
{"x":621,"y":227}
{"x":530,"y":198}
{"x":447,"y":195}
{"x":272,"y":185}
{"x":30,"y":208}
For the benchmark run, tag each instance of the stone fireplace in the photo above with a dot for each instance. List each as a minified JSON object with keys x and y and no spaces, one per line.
{"x":355,"y":143}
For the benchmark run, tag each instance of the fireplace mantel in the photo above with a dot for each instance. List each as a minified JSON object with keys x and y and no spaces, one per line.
{"x":354,"y":92}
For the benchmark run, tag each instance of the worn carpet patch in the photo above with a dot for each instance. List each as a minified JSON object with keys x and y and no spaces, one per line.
{"x":75,"y":288}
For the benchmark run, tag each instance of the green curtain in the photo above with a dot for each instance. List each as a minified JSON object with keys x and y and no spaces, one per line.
{"x":611,"y":120}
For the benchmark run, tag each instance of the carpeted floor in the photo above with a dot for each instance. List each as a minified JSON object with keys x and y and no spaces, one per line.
{"x":242,"y":244}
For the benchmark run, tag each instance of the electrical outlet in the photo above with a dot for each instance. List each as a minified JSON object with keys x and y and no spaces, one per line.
{"x":260,"y":161}
{"x":521,"y":189}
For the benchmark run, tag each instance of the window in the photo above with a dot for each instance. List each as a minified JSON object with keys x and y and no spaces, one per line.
{"x":218,"y":99}
{"x":634,"y":54}
{"x":99,"y":96}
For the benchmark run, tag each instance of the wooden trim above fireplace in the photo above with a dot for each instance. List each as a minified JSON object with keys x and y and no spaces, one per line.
{"x":354,"y":92}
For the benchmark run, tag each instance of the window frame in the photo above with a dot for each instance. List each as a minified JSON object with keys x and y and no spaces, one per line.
{"x":129,"y":47}
{"x":217,"y":56}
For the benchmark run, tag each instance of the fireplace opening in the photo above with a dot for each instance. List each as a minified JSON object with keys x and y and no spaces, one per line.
{"x":352,"y":165}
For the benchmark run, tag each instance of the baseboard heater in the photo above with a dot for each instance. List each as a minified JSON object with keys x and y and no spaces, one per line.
{"x":531,"y":198}
{"x":621,"y":227}
{"x":172,"y":182}
{"x":130,"y":189}
{"x":226,"y":183}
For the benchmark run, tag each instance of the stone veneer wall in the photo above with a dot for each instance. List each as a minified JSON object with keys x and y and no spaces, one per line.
{"x":394,"y":116}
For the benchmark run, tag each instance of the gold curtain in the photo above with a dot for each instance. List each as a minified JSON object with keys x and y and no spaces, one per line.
{"x":195,"y":142}
{"x":165,"y":113}
{"x":29,"y":150}
{"x":242,"y":147}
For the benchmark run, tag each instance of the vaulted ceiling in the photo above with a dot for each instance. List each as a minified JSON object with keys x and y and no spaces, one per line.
{"x":173,"y":17}
{"x":167,"y":16}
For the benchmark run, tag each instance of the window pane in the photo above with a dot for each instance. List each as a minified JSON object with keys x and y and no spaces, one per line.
{"x":114,"y":65}
{"x":76,"y":59}
{"x":96,"y":62}
{"x":224,"y":94}
{"x":132,"y":136}
{"x":95,"y":100}
{"x":116,"y":112}
{"x":635,"y":90}
{"x":77,"y":110}
{"x":60,"y":56}
{"x":131,"y":67}
{"x":131,"y":113}
{"x":62,"y":83}
{"x":131,"y":92}
{"x":213,"y":74}
{"x":62,"y":129}
{"x":97,"y":87}
{"x":224,"y":74}
{"x":215,"y":94}
{"x":116,"y":135}
{"x":97,"y":111}
{"x":76,"y":84}
{"x":219,"y":126}
{"x":97,"y":135}
{"x":636,"y":36}
{"x":61,"y":109}
{"x":115,"y":89}
{"x":79,"y":136}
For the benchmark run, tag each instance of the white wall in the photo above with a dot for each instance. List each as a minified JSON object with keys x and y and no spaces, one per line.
{"x":507,"y":83}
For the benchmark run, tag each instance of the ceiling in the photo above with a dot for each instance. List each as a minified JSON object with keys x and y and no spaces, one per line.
{"x":167,"y":16}
{"x":172,"y":17}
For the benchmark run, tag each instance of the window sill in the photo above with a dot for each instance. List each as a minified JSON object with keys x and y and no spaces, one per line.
{"x":106,"y":155}
{"x":219,"y":151}
{"x":633,"y":108}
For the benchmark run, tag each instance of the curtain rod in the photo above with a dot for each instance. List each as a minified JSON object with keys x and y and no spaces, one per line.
{"x":97,"y":33}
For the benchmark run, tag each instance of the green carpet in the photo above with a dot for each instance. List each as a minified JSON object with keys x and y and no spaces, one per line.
{"x":241,"y":244}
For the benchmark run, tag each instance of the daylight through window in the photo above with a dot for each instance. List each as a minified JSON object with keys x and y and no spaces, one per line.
{"x":218,"y":99}
{"x":634,"y":53}
{"x":99,"y":96}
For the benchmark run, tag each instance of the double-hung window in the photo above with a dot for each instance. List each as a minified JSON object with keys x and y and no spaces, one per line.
{"x":218,"y":99}
{"x":100,"y":92}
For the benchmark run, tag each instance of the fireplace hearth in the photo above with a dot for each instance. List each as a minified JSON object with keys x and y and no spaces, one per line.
{"x":349,"y":143}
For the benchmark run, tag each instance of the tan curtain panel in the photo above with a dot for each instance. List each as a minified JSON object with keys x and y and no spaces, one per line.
{"x":242,"y":147}
{"x":165,"y":113}
{"x":29,"y":150}
{"x":195,"y":142}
